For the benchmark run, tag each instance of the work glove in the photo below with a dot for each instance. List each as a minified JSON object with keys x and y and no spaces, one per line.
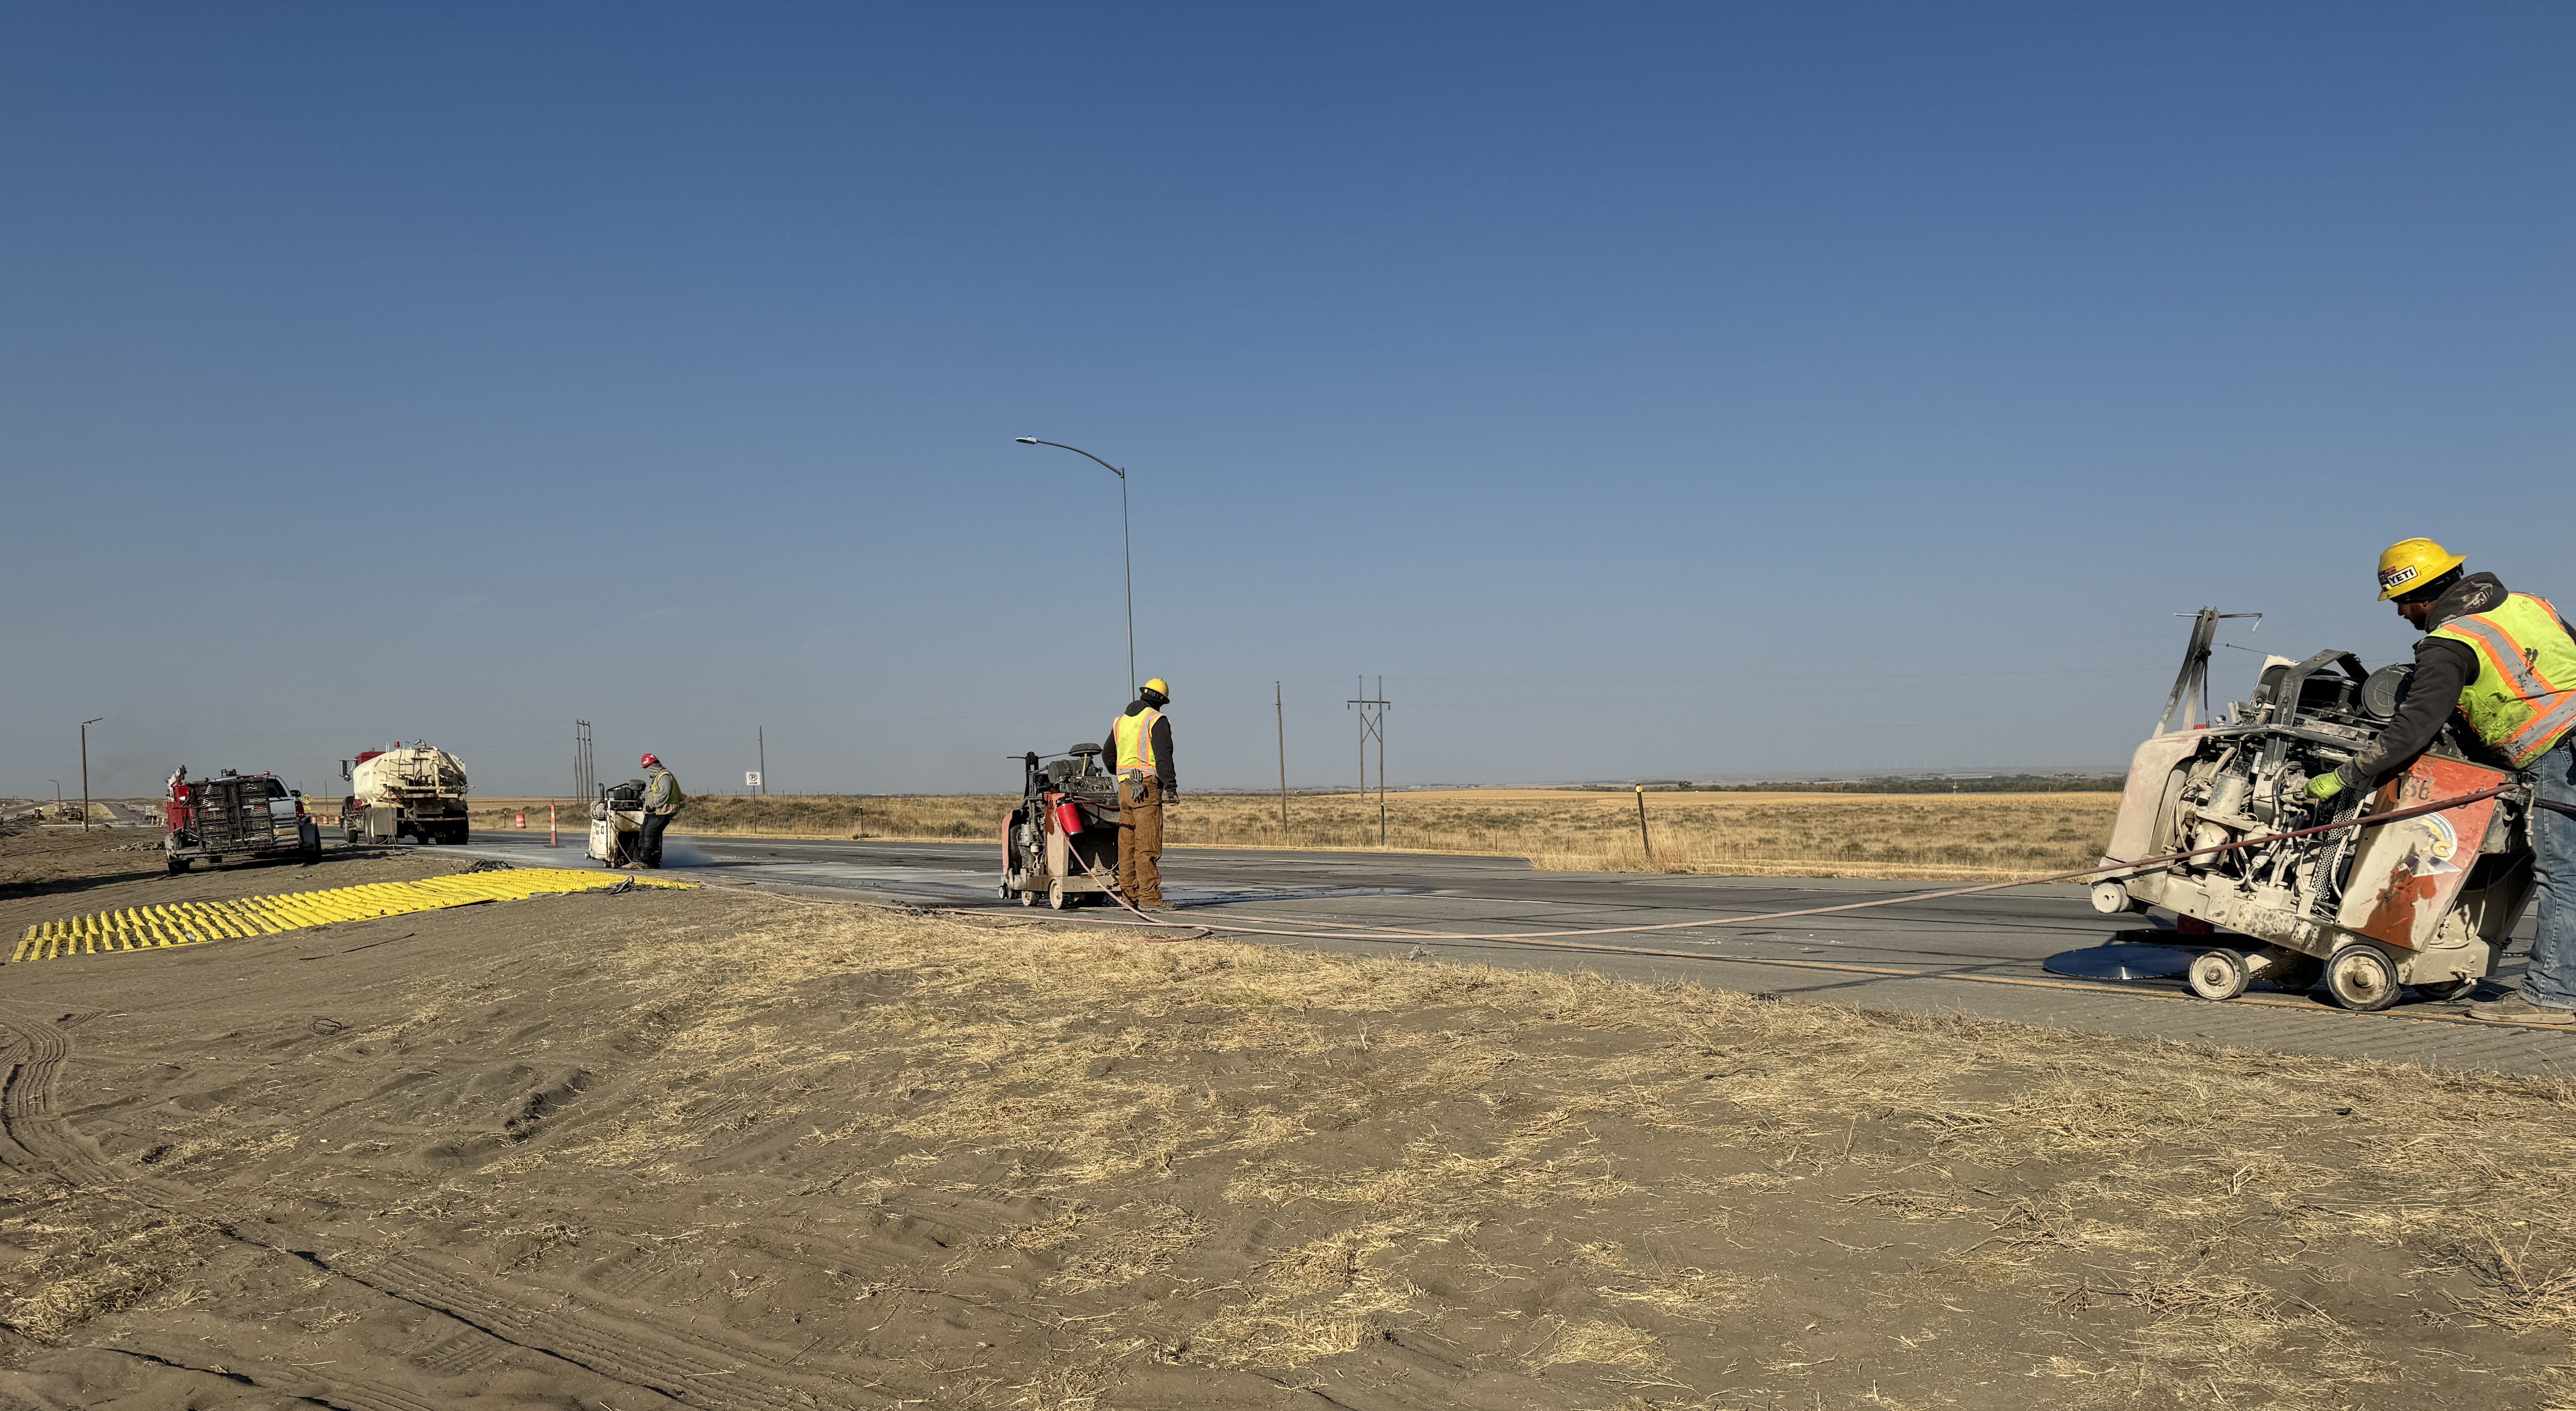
{"x":2326,"y":785}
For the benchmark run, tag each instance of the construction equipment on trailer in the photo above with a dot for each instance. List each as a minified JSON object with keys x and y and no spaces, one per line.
{"x":1061,"y":843}
{"x":238,"y":815}
{"x":617,"y":822}
{"x":415,"y":790}
{"x":2427,"y":901}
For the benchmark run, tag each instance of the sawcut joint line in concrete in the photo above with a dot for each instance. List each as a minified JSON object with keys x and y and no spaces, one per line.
{"x":2284,"y":1002}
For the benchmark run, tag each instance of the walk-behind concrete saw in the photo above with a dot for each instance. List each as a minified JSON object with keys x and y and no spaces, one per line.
{"x":1061,"y":842}
{"x":2426,"y":901}
{"x":617,"y":823}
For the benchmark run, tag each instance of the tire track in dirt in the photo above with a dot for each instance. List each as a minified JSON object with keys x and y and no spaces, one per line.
{"x":236,"y":1378}
{"x":34,"y":1056}
{"x":691,"y":1368}
{"x":37,"y":1142}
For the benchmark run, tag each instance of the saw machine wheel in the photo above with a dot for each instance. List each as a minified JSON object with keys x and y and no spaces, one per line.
{"x":2219,"y":974}
{"x":2360,"y":978}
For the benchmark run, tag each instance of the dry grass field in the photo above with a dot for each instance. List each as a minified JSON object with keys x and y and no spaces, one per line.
{"x":1939,"y":836}
{"x":705,"y":1149}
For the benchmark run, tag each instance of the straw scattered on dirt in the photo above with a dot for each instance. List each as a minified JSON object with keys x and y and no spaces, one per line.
{"x":1964,"y":836}
{"x":704,"y":1149}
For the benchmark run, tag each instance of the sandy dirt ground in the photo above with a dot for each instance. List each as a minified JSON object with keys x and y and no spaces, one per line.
{"x":657,"y":1149}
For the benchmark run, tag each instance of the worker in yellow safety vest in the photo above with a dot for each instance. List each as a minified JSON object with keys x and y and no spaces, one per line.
{"x":1140,"y":742}
{"x":2507,"y":662}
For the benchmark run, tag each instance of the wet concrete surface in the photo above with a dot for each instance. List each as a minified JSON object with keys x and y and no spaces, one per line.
{"x":1976,"y":956}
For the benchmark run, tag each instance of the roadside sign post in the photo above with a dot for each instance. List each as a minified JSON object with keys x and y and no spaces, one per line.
{"x":751,"y":778}
{"x":554,"y":836}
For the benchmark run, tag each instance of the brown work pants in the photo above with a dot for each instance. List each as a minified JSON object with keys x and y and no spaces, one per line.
{"x":1140,"y":838}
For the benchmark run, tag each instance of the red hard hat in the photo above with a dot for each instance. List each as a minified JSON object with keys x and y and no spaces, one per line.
{"x":649,"y":759}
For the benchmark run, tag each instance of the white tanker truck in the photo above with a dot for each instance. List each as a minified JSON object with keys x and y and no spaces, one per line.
{"x":415,"y":790}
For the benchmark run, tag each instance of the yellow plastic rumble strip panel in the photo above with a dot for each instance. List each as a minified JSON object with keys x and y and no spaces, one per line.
{"x":196,"y":922}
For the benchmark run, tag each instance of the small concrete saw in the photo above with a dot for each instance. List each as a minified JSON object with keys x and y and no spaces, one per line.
{"x":1061,"y":843}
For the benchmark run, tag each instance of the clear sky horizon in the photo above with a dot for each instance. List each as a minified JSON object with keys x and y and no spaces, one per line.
{"x":1641,"y":391}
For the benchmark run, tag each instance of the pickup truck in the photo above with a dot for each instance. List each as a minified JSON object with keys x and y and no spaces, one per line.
{"x":239,"y":816}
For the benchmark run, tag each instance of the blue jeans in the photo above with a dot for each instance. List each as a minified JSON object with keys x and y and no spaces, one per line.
{"x":2551,"y":978}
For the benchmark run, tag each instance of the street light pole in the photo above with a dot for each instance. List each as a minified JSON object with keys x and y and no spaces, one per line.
{"x":1126,"y":548}
{"x":93,"y":720}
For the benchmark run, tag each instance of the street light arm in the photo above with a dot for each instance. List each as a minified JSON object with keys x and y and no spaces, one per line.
{"x":1077,"y":450}
{"x":1126,"y":546}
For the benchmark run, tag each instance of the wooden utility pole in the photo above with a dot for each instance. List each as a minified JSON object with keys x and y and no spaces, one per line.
{"x":1642,"y":840}
{"x":761,"y":735}
{"x":1279,"y":707}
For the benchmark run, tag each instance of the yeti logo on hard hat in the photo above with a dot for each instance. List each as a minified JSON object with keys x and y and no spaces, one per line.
{"x":2410,"y":559}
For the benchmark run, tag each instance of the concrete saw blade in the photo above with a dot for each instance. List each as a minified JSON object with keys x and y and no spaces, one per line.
{"x":2122,"y":962}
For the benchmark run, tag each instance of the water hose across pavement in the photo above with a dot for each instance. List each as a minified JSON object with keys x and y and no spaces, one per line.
{"x":1556,"y":938}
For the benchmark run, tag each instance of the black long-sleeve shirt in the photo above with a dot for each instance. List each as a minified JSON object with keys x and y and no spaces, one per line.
{"x":2443,"y":669}
{"x":1162,"y":745}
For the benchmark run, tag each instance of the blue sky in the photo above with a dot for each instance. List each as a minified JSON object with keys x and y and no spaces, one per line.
{"x":1684,"y":391}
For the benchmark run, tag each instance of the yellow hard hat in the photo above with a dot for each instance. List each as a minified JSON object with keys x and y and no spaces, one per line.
{"x":1160,"y":687}
{"x":2409,"y":564}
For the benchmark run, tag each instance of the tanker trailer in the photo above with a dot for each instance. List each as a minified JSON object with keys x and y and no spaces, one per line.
{"x":415,"y":790}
